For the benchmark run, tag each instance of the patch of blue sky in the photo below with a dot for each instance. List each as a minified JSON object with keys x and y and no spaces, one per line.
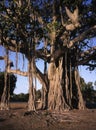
{"x":89,"y":76}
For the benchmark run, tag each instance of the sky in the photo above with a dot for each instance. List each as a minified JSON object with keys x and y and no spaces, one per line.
{"x":22,"y":82}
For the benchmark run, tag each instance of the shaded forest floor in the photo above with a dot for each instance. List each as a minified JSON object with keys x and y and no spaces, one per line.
{"x":17,"y":118}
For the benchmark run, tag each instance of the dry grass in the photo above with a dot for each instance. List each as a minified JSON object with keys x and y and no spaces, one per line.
{"x":18,"y":105}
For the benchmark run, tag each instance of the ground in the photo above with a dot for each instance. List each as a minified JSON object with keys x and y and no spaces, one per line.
{"x":18,"y":118}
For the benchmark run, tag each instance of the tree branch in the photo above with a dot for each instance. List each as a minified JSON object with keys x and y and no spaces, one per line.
{"x":41,"y":54}
{"x":18,"y":72}
{"x":91,"y":65}
{"x":88,"y":33}
{"x":86,"y":59}
{"x":41,"y":77}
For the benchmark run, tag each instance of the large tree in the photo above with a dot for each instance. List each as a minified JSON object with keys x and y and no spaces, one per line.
{"x":56,"y":31}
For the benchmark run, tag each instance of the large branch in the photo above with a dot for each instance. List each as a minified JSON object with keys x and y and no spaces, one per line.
{"x":17,"y":72}
{"x":40,"y":76}
{"x":36,"y":72}
{"x":88,"y":33}
{"x":91,"y":65}
{"x":10,"y":43}
{"x":41,"y":54}
{"x":86,"y":59}
{"x":88,"y":52}
{"x":12,"y":46}
{"x":73,"y":16}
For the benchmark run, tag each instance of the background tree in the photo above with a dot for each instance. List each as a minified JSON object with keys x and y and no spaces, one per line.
{"x":11,"y":82}
{"x":38,"y":95}
{"x":89,"y":93}
{"x":24,"y":97}
{"x":56,"y":32}
{"x":19,"y":97}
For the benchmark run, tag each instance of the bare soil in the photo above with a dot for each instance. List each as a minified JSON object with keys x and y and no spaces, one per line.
{"x":18,"y":118}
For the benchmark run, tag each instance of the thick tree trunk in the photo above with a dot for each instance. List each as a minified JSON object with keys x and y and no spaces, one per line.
{"x":64,"y":88}
{"x":56,"y":100}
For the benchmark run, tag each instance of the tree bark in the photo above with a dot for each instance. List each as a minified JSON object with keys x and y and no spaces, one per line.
{"x":81,"y":104}
{"x":64,"y":86}
{"x":5,"y":96}
{"x":44,"y":98}
{"x":31,"y":101}
{"x":6,"y":92}
{"x":56,"y":100}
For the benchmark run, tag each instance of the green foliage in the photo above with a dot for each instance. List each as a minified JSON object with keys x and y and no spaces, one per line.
{"x":86,"y":86}
{"x":20,"y":97}
{"x":38,"y":95}
{"x":11,"y":81}
{"x":24,"y":97}
{"x":89,"y":93}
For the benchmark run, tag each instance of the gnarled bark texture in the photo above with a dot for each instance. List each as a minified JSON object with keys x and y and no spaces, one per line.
{"x":56,"y":100}
{"x":64,"y":88}
{"x":31,"y":101}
